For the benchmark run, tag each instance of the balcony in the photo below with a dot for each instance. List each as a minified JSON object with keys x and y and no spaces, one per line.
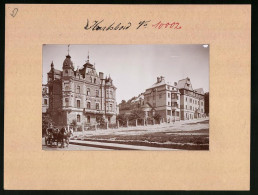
{"x":92,"y":111}
{"x":110,"y":112}
{"x":174,"y":100}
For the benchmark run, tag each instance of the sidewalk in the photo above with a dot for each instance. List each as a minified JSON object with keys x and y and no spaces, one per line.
{"x":116,"y":146}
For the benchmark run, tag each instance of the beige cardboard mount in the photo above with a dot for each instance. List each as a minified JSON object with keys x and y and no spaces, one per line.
{"x":226,"y":166}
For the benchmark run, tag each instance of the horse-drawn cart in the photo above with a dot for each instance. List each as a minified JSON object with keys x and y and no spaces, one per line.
{"x":59,"y":136}
{"x":51,"y":136}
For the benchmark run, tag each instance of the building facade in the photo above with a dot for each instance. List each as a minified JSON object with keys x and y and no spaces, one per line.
{"x":191,"y":100}
{"x":164,"y":99}
{"x":45,"y":99}
{"x":81,"y":95}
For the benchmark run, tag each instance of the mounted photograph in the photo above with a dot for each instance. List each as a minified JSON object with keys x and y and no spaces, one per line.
{"x":125,"y":97}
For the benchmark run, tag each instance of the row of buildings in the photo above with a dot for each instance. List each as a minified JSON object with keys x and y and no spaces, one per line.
{"x":84,"y":96}
{"x":172,"y":102}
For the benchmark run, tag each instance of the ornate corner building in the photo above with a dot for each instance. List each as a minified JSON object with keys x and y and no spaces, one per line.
{"x":80,"y":95}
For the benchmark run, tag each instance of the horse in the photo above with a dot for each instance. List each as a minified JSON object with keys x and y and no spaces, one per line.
{"x":64,"y":136}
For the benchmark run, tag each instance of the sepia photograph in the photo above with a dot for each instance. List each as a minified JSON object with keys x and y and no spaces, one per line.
{"x":125,"y":97}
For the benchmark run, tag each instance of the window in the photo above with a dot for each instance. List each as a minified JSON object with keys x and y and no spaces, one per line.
{"x":66,"y":71}
{"x":88,"y":119}
{"x":111,"y":94}
{"x":169,"y":112}
{"x":66,"y":102}
{"x":168,"y":95}
{"x":190,"y":107}
{"x":173,"y":113}
{"x":109,"y":119}
{"x":169,"y":103}
{"x":66,"y":88}
{"x":91,"y":79}
{"x":202,"y":103}
{"x":45,"y":101}
{"x":94,"y":80}
{"x":97,"y":106}
{"x":190,"y":100}
{"x":78,"y":89}
{"x":177,"y":113}
{"x":97,"y":93}
{"x":88,"y":91}
{"x":111,"y":107}
{"x":78,"y":118}
{"x":88,"y":105}
{"x":185,"y":106}
{"x":186,"y":99}
{"x":160,"y":96}
{"x":78,"y":103}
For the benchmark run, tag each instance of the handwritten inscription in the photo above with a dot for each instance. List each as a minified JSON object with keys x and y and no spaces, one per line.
{"x":14,"y":12}
{"x":118,"y":26}
{"x":173,"y":25}
{"x":98,"y":26}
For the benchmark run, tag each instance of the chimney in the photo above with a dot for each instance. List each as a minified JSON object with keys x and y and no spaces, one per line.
{"x":175,"y":84}
{"x":101,"y":75}
{"x":158,"y":79}
{"x":162,"y":78}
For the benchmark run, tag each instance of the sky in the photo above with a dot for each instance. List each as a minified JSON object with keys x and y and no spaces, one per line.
{"x":134,"y":68}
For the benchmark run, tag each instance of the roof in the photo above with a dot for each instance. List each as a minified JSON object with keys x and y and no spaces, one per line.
{"x":185,"y":84}
{"x":68,"y":62}
{"x":200,"y":91}
{"x":55,"y":71}
{"x":157,"y":84}
{"x":147,"y":107}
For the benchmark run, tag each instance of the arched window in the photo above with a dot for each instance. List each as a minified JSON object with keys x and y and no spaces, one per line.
{"x":78,"y":118}
{"x":94,"y":80}
{"x":66,"y":102}
{"x":66,"y":88}
{"x":88,"y":91}
{"x":88,"y":105}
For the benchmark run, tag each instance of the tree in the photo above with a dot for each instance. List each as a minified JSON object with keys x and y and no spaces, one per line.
{"x":206,"y":103}
{"x":157,"y":117}
{"x":136,"y":114}
{"x":74,"y":123}
{"x":46,"y":121}
{"x":122,"y":118}
{"x":100,"y":120}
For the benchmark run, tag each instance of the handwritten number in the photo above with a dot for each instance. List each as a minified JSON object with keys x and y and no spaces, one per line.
{"x":14,"y":12}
